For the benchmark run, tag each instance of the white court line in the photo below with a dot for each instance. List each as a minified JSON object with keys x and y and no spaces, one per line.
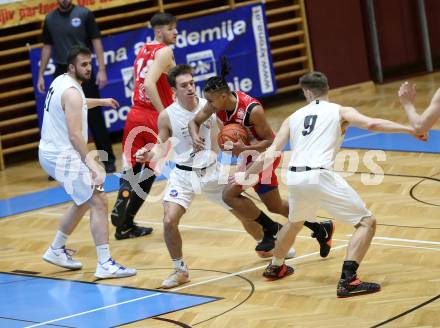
{"x":303,"y":237}
{"x":409,"y":240}
{"x":172,"y":290}
{"x":407,"y":246}
{"x":415,"y":241}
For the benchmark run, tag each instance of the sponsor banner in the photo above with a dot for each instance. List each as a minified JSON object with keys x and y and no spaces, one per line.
{"x":17,"y":12}
{"x":240,"y":35}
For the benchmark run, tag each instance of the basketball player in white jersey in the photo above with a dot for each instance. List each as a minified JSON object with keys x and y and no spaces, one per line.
{"x":315,"y":133}
{"x":195,"y":173}
{"x":63,"y":154}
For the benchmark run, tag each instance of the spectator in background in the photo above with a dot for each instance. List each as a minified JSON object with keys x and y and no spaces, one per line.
{"x":67,"y":26}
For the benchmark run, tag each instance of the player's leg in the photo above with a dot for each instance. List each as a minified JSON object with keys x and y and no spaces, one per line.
{"x":129,"y":229}
{"x":106,"y":266}
{"x":244,"y":207}
{"x":303,"y":201}
{"x":177,"y":198}
{"x":342,"y":202}
{"x":285,"y":239}
{"x":69,"y":178}
{"x":57,"y":253}
{"x":118,"y":213}
{"x":269,"y":194}
{"x":214,"y":192}
{"x":129,"y":200}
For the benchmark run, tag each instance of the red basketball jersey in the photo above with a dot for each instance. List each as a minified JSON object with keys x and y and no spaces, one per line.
{"x":143,"y":60}
{"x":241,"y":114}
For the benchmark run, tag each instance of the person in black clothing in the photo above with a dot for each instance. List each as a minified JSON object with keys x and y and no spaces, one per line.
{"x":70,"y":25}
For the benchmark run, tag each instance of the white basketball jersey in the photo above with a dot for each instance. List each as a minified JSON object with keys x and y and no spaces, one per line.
{"x":315,"y":134}
{"x":183,"y":146}
{"x":54,"y":132}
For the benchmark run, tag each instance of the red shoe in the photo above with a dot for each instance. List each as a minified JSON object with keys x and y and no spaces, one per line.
{"x":274,"y":272}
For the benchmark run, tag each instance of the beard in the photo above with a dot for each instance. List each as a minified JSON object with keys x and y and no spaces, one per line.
{"x":65,"y":5}
{"x":82,"y":77}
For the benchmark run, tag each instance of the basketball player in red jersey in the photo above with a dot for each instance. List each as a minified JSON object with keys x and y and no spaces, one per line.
{"x":238,"y":107}
{"x":151,"y":95}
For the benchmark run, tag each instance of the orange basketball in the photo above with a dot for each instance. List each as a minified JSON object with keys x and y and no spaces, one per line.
{"x":232,"y":132}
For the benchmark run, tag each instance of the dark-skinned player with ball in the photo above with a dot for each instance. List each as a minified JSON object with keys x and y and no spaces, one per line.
{"x":236,"y":107}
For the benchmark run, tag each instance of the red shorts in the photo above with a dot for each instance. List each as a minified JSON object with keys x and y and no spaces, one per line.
{"x":268,"y":179}
{"x":140,"y":129}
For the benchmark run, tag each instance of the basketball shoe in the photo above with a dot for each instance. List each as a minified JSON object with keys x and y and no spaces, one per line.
{"x":353,"y":286}
{"x":62,"y":257}
{"x":178,"y":277}
{"x":325,"y":237}
{"x":112,"y":269}
{"x":274,"y":272}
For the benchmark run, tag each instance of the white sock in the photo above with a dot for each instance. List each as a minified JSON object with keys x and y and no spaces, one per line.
{"x":59,"y":240}
{"x":180,"y":265}
{"x":276,"y":261}
{"x":103,"y":252}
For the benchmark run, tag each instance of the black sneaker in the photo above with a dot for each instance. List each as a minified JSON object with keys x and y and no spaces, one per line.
{"x":274,"y":272}
{"x":265,"y":247}
{"x":132,"y":232}
{"x":325,"y":237}
{"x":353,"y":287}
{"x":119,"y":209}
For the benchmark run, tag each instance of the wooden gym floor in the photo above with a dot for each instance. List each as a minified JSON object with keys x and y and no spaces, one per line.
{"x":404,"y":256}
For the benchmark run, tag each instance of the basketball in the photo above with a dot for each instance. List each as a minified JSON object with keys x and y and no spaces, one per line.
{"x":232,"y":132}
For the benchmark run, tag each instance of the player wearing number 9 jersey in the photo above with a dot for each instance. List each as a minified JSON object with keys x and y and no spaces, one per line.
{"x":315,"y":132}
{"x":151,"y":95}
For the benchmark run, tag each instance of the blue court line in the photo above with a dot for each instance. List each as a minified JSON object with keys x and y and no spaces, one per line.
{"x":354,"y":138}
{"x":82,"y":304}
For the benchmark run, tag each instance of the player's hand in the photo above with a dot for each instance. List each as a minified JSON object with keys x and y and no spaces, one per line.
{"x":40,"y":85}
{"x":419,"y":136}
{"x":143,"y":155}
{"x":109,"y":102}
{"x":198,"y":143}
{"x":407,"y":93}
{"x":101,"y":79}
{"x":239,"y":146}
{"x":97,"y":172}
{"x":232,"y":180}
{"x":243,"y":179}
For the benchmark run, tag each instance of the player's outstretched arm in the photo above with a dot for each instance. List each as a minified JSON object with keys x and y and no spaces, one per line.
{"x":163,"y":61}
{"x":104,"y":102}
{"x":424,"y":122}
{"x":353,"y":117}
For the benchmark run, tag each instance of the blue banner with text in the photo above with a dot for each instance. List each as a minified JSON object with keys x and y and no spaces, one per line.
{"x":240,"y":35}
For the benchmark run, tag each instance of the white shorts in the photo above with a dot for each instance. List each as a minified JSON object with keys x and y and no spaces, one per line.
{"x":311,"y":190}
{"x":70,"y":172}
{"x":184,"y":185}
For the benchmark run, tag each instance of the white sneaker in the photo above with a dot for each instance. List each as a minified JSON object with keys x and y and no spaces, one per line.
{"x":112,"y":269}
{"x":62,"y":257}
{"x":290,"y":254}
{"x":175,"y":279}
